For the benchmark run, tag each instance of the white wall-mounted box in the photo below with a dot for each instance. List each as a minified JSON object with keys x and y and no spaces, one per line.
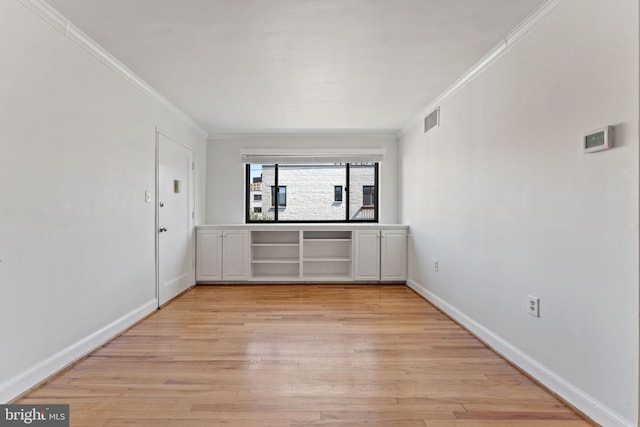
{"x":598,"y":139}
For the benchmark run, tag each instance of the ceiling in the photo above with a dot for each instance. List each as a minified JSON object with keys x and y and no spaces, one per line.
{"x":298,"y":65}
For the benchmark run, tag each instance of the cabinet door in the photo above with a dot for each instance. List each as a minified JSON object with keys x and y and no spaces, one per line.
{"x":393,"y":255}
{"x":367,"y":255}
{"x":208,"y":255}
{"x":235,"y":259}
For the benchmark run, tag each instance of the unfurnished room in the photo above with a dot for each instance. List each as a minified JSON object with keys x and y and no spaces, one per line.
{"x":319,"y":213}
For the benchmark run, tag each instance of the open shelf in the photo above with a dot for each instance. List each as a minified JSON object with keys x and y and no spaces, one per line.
{"x":275,"y":245}
{"x":313,"y":255}
{"x":329,"y":268}
{"x":275,"y":260}
{"x":287,"y":253}
{"x":327,"y":259}
{"x":327,"y":278}
{"x":275,"y":271}
{"x":275,"y":255}
{"x":326,"y":240}
{"x":275,"y":237}
{"x":327,"y":255}
{"x":327,"y":235}
{"x":329,"y":250}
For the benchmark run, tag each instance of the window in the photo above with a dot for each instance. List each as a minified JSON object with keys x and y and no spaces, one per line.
{"x":354,"y":197}
{"x":368,"y":196}
{"x":257,"y":210}
{"x":282,"y":196}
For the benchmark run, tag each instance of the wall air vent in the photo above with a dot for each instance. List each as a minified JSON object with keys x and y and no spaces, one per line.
{"x":432,"y":120}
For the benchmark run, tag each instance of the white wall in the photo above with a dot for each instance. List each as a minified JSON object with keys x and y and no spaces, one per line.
{"x":77,"y":144}
{"x":502,"y":195}
{"x":226,"y":173}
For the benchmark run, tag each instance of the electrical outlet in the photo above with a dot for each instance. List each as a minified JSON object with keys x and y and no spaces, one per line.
{"x":534,"y":306}
{"x":435,"y":265}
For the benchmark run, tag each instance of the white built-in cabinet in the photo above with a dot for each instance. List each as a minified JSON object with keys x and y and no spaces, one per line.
{"x":393,"y":255}
{"x":221,"y":255}
{"x":235,"y":252}
{"x":287,"y":253}
{"x":367,"y":255}
{"x":381,"y":254}
{"x":209,"y":254}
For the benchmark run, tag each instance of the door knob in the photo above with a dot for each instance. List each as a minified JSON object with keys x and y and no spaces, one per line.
{"x":163,"y":229}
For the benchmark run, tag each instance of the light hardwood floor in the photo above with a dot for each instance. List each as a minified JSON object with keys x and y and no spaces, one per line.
{"x":296,"y":355}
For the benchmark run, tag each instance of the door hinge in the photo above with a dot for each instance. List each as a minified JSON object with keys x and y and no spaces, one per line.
{"x":193,"y":165}
{"x":193,"y":215}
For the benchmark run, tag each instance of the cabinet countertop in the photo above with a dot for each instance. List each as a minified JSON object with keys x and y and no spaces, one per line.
{"x":304,"y":226}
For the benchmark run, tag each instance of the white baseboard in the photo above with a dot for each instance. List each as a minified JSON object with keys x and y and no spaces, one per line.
{"x":48,"y":367}
{"x":582,"y":401}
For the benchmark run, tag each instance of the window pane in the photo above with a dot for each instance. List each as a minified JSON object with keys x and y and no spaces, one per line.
{"x":310,"y":192}
{"x":260,"y":202}
{"x":282,"y":199}
{"x":337,"y":191}
{"x":368,"y":193}
{"x":362,"y":192}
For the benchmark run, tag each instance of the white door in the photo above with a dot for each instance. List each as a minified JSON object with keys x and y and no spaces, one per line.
{"x":393,"y":255}
{"x":235,"y":258}
{"x":175,"y":225}
{"x":367,"y":255}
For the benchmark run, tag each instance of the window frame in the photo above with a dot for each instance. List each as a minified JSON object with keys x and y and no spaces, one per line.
{"x":345,"y":199}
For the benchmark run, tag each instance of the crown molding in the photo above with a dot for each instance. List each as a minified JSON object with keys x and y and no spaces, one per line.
{"x":519,"y":33}
{"x":66,"y":28}
{"x":306,"y":133}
